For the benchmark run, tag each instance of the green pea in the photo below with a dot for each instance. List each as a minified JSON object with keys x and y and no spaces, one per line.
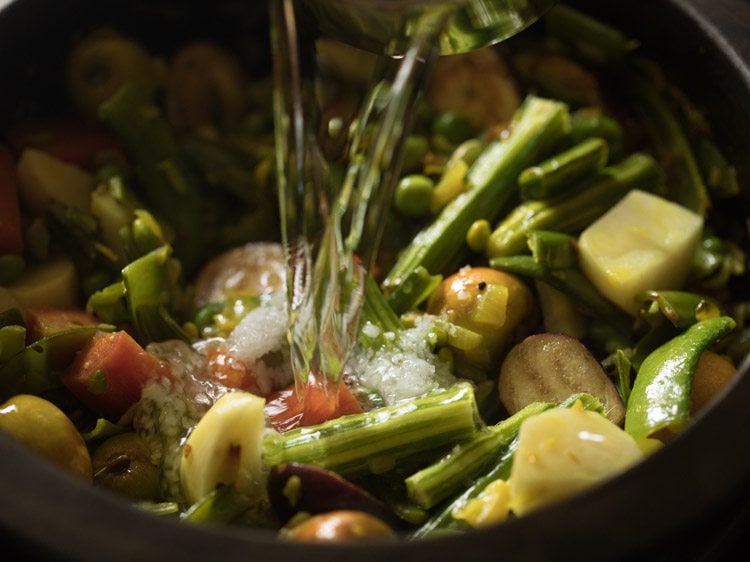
{"x":453,"y":126}
{"x":414,"y":195}
{"x":415,"y":149}
{"x":468,"y":151}
{"x":478,"y":234}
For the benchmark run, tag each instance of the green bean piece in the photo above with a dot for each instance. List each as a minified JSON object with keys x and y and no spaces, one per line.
{"x":452,"y":126}
{"x":443,"y":521}
{"x":681,"y":308}
{"x":539,"y":126}
{"x":377,"y":440}
{"x":11,"y":268}
{"x":170,"y":186}
{"x":110,"y":304}
{"x":624,"y":368}
{"x":551,"y":177}
{"x":222,"y":505}
{"x":77,"y":232}
{"x":415,"y":149}
{"x":660,"y":399}
{"x":37,"y":367}
{"x":685,"y":182}
{"x":228,"y":170}
{"x":577,"y":209}
{"x":660,"y":332}
{"x":378,"y":311}
{"x":159,"y":508}
{"x":709,"y":257}
{"x":468,"y":460}
{"x":574,"y":284}
{"x":414,"y":195}
{"x":103,"y":429}
{"x":413,"y":291}
{"x":720,"y":176}
{"x":558,"y":76}
{"x":150,"y":290}
{"x":555,"y":250}
{"x":591,"y":38}
{"x":588,"y":123}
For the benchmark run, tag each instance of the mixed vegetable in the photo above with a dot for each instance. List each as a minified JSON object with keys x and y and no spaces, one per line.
{"x":557,"y":294}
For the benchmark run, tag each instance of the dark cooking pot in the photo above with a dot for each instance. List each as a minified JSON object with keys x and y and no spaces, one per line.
{"x":688,"y":500}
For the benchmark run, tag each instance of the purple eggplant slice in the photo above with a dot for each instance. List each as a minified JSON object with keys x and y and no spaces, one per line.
{"x":297,"y":487}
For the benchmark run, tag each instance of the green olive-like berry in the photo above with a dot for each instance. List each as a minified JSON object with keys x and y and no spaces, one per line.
{"x":454,"y":126}
{"x":122,"y":464}
{"x":44,"y":428}
{"x":415,"y":150}
{"x":414,"y":195}
{"x":468,"y":151}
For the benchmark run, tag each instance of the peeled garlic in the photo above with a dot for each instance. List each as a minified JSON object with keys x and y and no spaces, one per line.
{"x":225,"y":447}
{"x":562,"y":452}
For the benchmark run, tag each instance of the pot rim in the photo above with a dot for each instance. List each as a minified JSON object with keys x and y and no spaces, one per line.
{"x":83,"y":521}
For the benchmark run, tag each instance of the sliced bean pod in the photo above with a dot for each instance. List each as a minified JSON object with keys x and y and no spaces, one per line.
{"x":660,"y":399}
{"x":466,"y":461}
{"x":577,"y":210}
{"x":377,"y":440}
{"x":571,"y":282}
{"x":551,"y":177}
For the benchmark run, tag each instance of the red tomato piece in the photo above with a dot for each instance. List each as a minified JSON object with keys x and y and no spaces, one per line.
{"x":225,"y":368}
{"x":11,"y":240}
{"x":45,"y":321}
{"x":110,"y":372}
{"x":65,"y":138}
{"x":317,"y":401}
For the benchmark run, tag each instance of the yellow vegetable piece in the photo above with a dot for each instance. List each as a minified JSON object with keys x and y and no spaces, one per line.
{"x":643,"y":243}
{"x":489,"y":507}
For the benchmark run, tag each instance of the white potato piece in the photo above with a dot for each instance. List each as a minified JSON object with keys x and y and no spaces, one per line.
{"x":53,"y":283}
{"x":643,"y":243}
{"x":225,"y":447}
{"x":42,"y":179}
{"x":564,"y":451}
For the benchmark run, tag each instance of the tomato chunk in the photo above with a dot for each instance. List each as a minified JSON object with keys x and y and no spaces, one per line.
{"x":110,"y":372}
{"x":11,"y":240}
{"x":319,"y":400}
{"x":66,"y":139}
{"x":230,"y":371}
{"x":42,"y":322}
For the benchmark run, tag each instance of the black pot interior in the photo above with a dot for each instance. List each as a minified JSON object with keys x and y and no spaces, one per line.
{"x":667,"y":508}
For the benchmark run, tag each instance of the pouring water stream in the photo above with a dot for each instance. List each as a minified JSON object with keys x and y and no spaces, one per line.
{"x":331,"y":236}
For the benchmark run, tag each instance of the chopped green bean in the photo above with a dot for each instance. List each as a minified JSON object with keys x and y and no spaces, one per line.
{"x":551,"y":177}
